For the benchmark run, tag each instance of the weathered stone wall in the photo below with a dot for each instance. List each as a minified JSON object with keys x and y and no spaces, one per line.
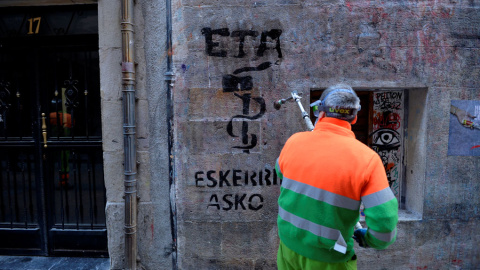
{"x":233,"y":59}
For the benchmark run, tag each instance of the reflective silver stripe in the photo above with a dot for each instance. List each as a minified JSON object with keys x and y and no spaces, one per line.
{"x":320,"y":194}
{"x":378,"y":198}
{"x":385,"y":237}
{"x":319,"y":230}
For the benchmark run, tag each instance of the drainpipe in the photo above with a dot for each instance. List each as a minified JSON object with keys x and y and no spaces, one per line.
{"x":130,"y":161}
{"x":170,"y":79}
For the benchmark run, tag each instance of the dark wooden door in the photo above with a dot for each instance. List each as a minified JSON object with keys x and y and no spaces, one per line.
{"x":52,"y":198}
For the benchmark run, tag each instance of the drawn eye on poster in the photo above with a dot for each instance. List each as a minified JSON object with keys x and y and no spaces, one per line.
{"x":464,"y":133}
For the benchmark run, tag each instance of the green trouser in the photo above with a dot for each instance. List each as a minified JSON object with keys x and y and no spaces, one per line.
{"x":288,"y":259}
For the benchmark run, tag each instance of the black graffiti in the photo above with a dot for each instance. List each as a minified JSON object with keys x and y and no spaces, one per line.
{"x":232,"y":83}
{"x":260,"y":67}
{"x":246,"y":111}
{"x":386,"y":140}
{"x":241,"y":34}
{"x":273,"y":34}
{"x":210,"y":45}
{"x":236,"y":201}
{"x":384,"y":96}
{"x":390,"y":179}
{"x":267,"y":38}
{"x":235,"y":178}
{"x":388,"y":100}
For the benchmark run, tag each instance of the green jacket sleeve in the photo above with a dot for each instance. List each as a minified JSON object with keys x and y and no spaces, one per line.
{"x":381,"y":207}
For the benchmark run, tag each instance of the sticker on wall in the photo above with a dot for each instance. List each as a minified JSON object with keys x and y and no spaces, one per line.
{"x":464,"y":133}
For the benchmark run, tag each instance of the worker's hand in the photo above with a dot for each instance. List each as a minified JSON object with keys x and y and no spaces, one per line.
{"x":359,"y":236}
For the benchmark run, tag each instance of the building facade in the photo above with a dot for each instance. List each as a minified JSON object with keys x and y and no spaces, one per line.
{"x":151,"y":135}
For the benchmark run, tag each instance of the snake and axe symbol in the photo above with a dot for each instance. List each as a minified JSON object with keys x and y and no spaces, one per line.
{"x":233,"y":83}
{"x":246,"y":108}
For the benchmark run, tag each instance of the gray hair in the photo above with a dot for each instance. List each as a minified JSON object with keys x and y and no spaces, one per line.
{"x":340,"y":95}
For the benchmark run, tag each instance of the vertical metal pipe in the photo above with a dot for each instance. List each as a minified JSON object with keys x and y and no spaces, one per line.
{"x":170,"y":78}
{"x":130,"y":170}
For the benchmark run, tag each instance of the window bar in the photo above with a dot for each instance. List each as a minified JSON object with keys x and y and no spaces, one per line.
{"x":87,"y":62}
{"x":71,"y":102}
{"x":64,"y":184}
{"x":57,"y":100}
{"x":52,"y":180}
{"x":75,"y":183}
{"x":72,"y":122}
{"x":3,"y":128}
{"x":90,"y":191}
{"x":15,"y":191}
{"x":4,"y":116}
{"x":5,"y":104}
{"x":74,"y":103}
{"x":2,"y":203}
{"x":24,"y":178}
{"x":9,"y":187}
{"x":30,"y":191}
{"x":80,"y":192}
{"x":19,"y":114}
{"x":62,"y":208}
{"x":57,"y":116}
{"x":95,"y":208}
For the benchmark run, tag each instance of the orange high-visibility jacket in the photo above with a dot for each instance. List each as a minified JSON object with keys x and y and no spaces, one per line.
{"x":326,"y":174}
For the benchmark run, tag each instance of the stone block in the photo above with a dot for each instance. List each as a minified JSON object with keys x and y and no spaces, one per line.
{"x":109,"y":26}
{"x":114,"y":175}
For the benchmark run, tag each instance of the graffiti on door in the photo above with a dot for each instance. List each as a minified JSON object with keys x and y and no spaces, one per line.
{"x":387,"y":136}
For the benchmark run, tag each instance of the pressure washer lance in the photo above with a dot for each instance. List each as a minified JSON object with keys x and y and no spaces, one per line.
{"x":296,"y":97}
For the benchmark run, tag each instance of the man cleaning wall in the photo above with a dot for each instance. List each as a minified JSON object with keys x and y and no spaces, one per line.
{"x":326,"y":174}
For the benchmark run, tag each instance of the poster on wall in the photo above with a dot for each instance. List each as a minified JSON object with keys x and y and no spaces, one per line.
{"x":464,"y":133}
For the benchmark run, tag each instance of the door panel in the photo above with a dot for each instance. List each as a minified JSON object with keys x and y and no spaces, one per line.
{"x":19,"y":209}
{"x":22,"y":222}
{"x":53,"y":195}
{"x":77,"y":201}
{"x":76,"y":180}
